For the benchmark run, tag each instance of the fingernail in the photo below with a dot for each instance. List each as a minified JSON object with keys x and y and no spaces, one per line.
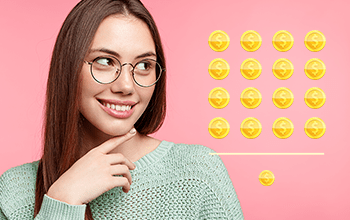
{"x":133,"y":131}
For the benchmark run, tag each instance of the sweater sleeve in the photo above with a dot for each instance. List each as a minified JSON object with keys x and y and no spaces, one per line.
{"x":17,"y":199}
{"x":54,"y":209}
{"x":219,"y":198}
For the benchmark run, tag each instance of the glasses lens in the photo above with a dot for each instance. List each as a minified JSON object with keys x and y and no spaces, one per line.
{"x":147,"y":72}
{"x":105,"y":69}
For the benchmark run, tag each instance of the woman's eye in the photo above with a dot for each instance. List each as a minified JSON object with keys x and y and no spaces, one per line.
{"x":104,"y":61}
{"x":143,"y":66}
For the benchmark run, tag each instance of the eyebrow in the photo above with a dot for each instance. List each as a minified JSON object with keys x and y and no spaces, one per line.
{"x":105,"y":50}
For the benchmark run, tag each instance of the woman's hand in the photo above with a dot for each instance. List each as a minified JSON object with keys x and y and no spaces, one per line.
{"x":92,"y":174}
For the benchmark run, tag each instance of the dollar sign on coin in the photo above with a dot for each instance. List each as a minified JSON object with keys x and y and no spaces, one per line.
{"x":315,"y":68}
{"x":219,"y":97}
{"x":283,"y":69}
{"x":282,"y":66}
{"x":219,"y":68}
{"x":251,"y":128}
{"x":266,"y":178}
{"x":218,"y":125}
{"x":251,"y":41}
{"x":283,"y":41}
{"x":251,"y":97}
{"x":315,"y":127}
{"x":219,"y":128}
{"x":282,"y":98}
{"x":283,"y":128}
{"x":251,"y":68}
{"x":219,"y":40}
{"x":315,"y":41}
{"x":315,"y":97}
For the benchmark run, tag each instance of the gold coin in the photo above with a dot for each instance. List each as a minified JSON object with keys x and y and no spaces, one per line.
{"x":283,"y":41}
{"x":283,"y":68}
{"x":251,"y":68}
{"x":315,"y":41}
{"x":282,"y":97}
{"x":283,"y":128}
{"x":315,"y":68}
{"x":250,"y":97}
{"x":219,"y":41}
{"x":315,"y":128}
{"x":219,"y":128}
{"x":219,"y":68}
{"x":315,"y":97}
{"x":266,"y":178}
{"x":251,"y":40}
{"x":219,"y":97}
{"x":251,"y":128}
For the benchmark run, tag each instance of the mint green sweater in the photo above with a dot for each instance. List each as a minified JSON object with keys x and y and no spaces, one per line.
{"x":175,"y":181}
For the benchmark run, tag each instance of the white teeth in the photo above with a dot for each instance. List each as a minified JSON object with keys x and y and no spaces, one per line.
{"x":118,"y":107}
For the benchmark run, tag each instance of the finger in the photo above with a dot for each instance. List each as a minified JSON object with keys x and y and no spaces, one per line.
{"x":119,"y":158}
{"x":121,"y":170}
{"x":122,"y":181}
{"x":112,"y":143}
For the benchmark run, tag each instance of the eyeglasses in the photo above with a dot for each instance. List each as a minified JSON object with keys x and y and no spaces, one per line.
{"x":107,"y":69}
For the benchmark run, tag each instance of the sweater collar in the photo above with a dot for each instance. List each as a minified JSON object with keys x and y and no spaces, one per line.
{"x":153,"y":156}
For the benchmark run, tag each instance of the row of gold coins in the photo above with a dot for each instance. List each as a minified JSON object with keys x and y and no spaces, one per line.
{"x":281,"y":41}
{"x":282,"y":127}
{"x":282,"y":68}
{"x":282,"y":98}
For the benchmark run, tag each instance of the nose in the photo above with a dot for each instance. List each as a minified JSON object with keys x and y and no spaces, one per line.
{"x":125,"y":83}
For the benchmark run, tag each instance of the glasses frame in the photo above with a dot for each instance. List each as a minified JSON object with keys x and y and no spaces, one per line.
{"x":121,"y":68}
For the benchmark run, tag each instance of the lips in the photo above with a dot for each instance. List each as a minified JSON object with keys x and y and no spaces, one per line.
{"x":116,"y":102}
{"x":116,"y":108}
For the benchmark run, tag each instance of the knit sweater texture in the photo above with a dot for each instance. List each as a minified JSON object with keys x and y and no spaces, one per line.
{"x":174,"y":181}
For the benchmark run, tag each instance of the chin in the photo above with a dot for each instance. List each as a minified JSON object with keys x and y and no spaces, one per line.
{"x":117,"y":132}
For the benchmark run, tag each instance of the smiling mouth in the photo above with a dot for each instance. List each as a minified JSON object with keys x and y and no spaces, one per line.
{"x":116,"y":107}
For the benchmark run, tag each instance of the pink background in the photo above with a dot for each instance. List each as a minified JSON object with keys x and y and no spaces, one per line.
{"x":306,"y":187}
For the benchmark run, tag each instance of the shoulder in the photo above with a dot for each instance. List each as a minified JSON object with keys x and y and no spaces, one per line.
{"x":26,"y":169}
{"x":199,"y":157}
{"x":190,"y":148}
{"x":17,"y":185}
{"x":194,"y":151}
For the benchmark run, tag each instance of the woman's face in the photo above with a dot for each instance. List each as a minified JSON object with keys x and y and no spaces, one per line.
{"x":129,"y":40}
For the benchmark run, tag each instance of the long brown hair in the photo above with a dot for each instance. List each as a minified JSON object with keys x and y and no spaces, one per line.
{"x":62,"y":123}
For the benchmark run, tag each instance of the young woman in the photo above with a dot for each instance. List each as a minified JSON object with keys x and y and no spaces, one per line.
{"x":105,"y":94}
